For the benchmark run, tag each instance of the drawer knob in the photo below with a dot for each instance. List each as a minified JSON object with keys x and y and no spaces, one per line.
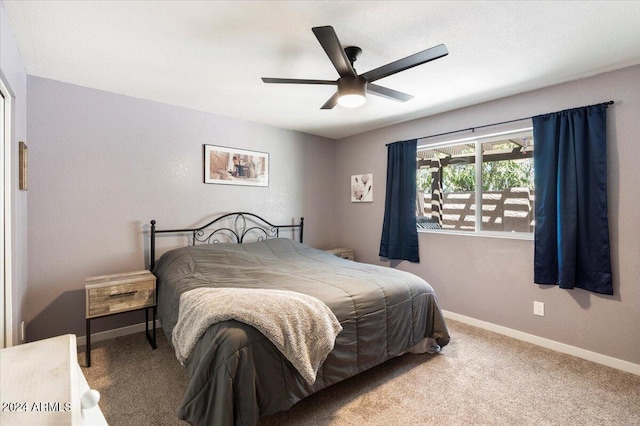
{"x":89,"y":399}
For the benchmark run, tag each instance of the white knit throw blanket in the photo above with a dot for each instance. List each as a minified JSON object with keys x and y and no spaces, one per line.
{"x":302,"y":327}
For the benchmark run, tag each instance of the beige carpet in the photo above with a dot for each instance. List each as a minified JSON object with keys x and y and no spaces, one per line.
{"x":480,"y":378}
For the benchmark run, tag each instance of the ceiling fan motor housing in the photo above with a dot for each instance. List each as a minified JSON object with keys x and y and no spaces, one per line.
{"x":352,"y":86}
{"x":351,"y":91}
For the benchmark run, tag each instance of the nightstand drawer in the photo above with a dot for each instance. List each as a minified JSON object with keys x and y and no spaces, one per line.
{"x":111,"y":294}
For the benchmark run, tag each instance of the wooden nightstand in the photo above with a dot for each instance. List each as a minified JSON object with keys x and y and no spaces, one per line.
{"x":115,"y":294}
{"x":345,"y":253}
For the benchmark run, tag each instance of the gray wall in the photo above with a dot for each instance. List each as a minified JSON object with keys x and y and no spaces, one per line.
{"x":491,"y":279}
{"x":15,"y":77}
{"x":103,"y":165}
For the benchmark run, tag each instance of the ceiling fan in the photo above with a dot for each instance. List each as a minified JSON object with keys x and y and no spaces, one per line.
{"x":351,"y":86}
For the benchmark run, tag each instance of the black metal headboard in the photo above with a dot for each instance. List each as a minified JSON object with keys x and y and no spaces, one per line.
{"x":242,"y":225}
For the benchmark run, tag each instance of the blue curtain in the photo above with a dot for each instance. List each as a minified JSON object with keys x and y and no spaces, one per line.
{"x":399,"y":234}
{"x":571,"y":230}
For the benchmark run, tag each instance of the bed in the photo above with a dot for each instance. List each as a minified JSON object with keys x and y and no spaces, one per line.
{"x":237,"y":374}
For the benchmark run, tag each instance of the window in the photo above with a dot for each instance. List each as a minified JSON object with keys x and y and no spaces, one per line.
{"x":456,"y":194}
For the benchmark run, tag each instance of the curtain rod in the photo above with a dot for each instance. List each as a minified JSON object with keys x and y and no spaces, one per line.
{"x":495,"y":124}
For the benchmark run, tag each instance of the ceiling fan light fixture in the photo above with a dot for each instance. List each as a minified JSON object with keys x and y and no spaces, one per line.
{"x":351,"y":100}
{"x":351,"y":92}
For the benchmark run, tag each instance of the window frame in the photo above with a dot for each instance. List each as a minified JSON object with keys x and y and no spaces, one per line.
{"x":478,"y":140}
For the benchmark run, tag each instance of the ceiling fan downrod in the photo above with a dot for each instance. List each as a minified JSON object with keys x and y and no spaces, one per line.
{"x":353,"y":53}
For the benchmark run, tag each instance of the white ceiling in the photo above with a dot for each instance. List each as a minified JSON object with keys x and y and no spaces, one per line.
{"x":210,"y":55}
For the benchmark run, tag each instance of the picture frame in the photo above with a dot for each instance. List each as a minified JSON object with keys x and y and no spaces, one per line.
{"x":362,"y":188}
{"x":235,"y":166}
{"x":23,"y":166}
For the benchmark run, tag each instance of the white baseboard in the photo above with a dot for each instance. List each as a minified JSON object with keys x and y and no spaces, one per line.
{"x":111,"y":334}
{"x":616,"y":363}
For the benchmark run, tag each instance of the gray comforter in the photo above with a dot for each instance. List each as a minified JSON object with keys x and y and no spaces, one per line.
{"x":237,"y":374}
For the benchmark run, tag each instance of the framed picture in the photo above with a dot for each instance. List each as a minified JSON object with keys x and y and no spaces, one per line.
{"x":233,"y":166}
{"x":362,"y":188}
{"x":23,"y":166}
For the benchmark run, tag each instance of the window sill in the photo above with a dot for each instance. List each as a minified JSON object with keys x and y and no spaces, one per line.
{"x":485,"y":234}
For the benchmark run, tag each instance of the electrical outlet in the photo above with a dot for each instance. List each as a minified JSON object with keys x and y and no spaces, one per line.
{"x":538,"y":308}
{"x":22,"y":332}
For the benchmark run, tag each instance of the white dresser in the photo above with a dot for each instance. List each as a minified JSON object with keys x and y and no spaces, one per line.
{"x":41,"y":383}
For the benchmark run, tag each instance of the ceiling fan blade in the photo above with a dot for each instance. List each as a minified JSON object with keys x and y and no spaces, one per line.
{"x":409,"y":62}
{"x":333,"y":101}
{"x":385,"y":92}
{"x":298,"y":81}
{"x":331,"y":45}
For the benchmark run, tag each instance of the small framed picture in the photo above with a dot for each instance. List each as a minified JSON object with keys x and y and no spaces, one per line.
{"x":233,"y":166}
{"x":362,"y":188}
{"x":23,"y":166}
